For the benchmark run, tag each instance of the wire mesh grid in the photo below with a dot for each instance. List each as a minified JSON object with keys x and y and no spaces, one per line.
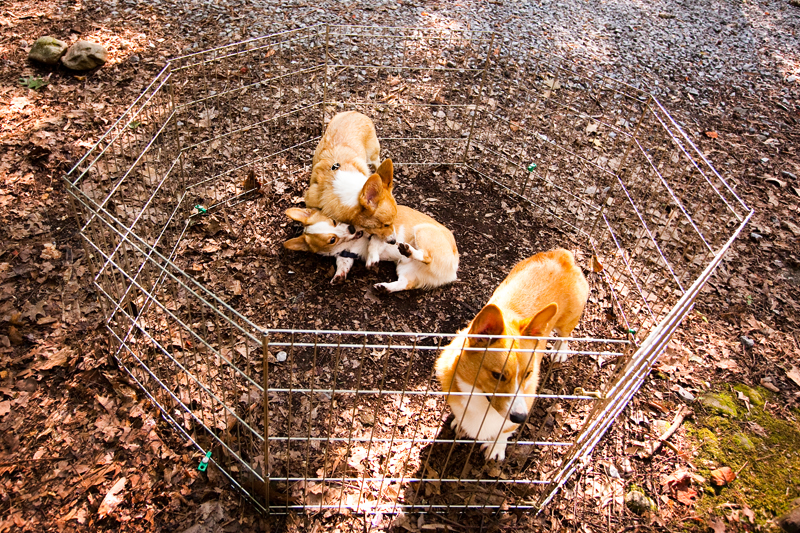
{"x":340,"y":420}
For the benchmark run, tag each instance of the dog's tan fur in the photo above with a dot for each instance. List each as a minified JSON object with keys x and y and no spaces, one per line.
{"x":350,"y":141}
{"x":544,"y":293}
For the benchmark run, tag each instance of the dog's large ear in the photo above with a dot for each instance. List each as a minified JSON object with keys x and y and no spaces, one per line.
{"x":537,"y":325}
{"x":488,"y":322}
{"x":386,"y":172}
{"x":299,"y":214}
{"x":298,"y":244}
{"x":371,"y":193}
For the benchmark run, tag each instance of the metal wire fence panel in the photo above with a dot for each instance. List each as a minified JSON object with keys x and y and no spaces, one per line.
{"x":341,"y":421}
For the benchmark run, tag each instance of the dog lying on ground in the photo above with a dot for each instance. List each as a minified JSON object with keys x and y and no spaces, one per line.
{"x":424,"y":250}
{"x":488,"y":379}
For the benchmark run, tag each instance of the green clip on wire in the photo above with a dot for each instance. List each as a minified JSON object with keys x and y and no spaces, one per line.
{"x":531,"y":167}
{"x":204,"y":463}
{"x":201,"y":210}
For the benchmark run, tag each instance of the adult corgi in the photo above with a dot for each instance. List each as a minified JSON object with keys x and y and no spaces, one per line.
{"x":342,"y":184}
{"x":488,"y":379}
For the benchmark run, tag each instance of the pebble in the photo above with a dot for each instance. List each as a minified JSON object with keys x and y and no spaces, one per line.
{"x":281,"y":356}
{"x":684,"y":394}
{"x":639,"y":503}
{"x":747,"y":341}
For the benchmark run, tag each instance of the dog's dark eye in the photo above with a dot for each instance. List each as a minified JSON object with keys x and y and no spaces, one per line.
{"x":498,"y":376}
{"x":386,"y":225}
{"x":528,"y":374}
{"x":332,"y":241}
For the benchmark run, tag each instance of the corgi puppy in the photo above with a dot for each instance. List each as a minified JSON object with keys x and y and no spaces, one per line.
{"x":342,"y":185}
{"x":426,"y":254}
{"x":320,"y":233}
{"x":542,"y":294}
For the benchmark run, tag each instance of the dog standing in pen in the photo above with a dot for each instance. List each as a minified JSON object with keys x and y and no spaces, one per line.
{"x":342,"y":184}
{"x":488,"y":379}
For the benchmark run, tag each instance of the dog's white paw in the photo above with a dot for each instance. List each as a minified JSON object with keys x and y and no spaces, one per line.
{"x":381,"y":288}
{"x":338,"y":279}
{"x":560,"y":357}
{"x":494,"y":450}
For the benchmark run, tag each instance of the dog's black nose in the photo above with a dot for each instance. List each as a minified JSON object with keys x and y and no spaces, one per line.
{"x":351,"y":228}
{"x":518,"y":418}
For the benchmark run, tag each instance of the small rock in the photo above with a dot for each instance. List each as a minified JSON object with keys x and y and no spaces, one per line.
{"x":639,"y":503}
{"x":134,"y":59}
{"x":84,"y":55}
{"x":756,"y":237}
{"x":660,"y":426}
{"x":684,"y":394}
{"x":739,"y":112}
{"x":367,"y":418}
{"x":47,"y":50}
{"x":790,"y":522}
{"x":281,"y":356}
{"x":747,"y":341}
{"x":744,"y":442}
{"x":792,"y":78}
{"x":721,"y":406}
{"x":789,"y":175}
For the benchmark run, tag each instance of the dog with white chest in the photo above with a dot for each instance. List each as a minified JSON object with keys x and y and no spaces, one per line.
{"x":342,"y":184}
{"x":490,"y":371}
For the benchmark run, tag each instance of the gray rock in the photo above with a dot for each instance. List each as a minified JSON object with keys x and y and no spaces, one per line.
{"x":790,"y":522}
{"x":744,"y":442}
{"x":787,"y":174}
{"x":638,"y":502}
{"x":721,"y":406}
{"x":747,"y":341}
{"x":47,"y":50}
{"x":84,"y":55}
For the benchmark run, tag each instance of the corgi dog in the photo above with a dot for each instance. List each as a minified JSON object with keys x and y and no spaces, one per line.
{"x":492,"y":376}
{"x":425,"y":251}
{"x":342,"y":185}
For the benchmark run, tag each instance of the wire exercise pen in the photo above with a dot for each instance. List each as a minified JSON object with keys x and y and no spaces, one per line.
{"x":337,"y":420}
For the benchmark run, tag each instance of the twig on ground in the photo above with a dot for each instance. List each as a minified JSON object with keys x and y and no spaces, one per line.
{"x":682,"y":413}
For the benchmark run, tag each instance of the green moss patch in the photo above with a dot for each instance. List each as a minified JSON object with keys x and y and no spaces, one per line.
{"x":765,"y":448}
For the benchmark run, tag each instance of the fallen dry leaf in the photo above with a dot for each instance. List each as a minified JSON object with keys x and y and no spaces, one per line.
{"x":717,"y":525}
{"x":794,"y":375}
{"x":722,"y":476}
{"x":112,"y":499}
{"x":712,"y":134}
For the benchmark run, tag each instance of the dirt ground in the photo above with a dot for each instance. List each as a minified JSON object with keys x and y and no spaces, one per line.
{"x":74,"y":430}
